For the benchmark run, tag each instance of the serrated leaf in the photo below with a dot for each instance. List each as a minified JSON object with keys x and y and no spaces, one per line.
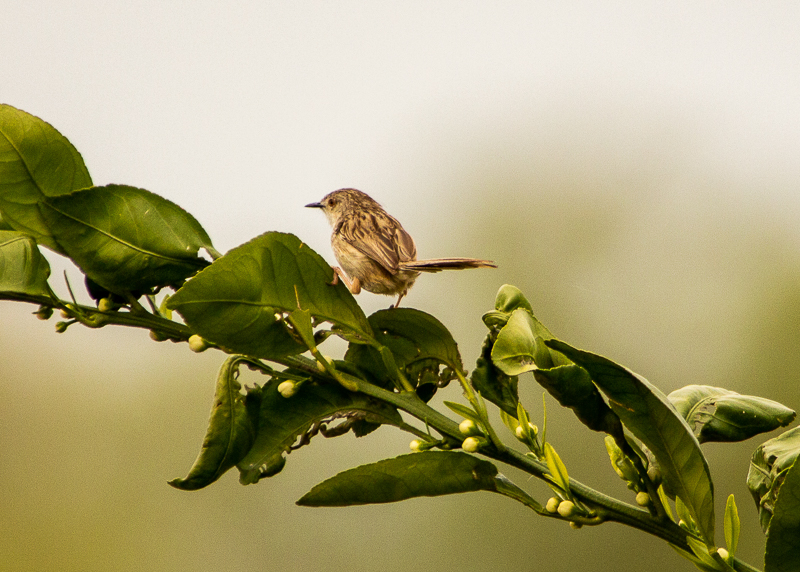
{"x":783,"y":535}
{"x":126,"y":239}
{"x":233,"y":302}
{"x":732,"y":526}
{"x":426,"y":474}
{"x":768,"y":467}
{"x":23,"y":269}
{"x":718,"y":414}
{"x":36,"y":161}
{"x":282,"y":420}
{"x":649,"y":415}
{"x":231,"y":430}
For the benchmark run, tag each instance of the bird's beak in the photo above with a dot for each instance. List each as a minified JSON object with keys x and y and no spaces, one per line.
{"x":314,"y":205}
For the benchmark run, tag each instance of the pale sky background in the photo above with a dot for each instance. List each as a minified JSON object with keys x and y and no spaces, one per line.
{"x":633,"y":167}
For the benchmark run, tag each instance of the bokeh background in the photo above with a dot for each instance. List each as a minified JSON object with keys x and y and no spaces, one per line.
{"x":633,"y":167}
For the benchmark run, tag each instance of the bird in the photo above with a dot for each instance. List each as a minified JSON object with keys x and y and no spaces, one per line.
{"x":374,"y":250}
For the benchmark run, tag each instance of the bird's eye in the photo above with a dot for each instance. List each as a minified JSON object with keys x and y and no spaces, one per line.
{"x":332,"y":203}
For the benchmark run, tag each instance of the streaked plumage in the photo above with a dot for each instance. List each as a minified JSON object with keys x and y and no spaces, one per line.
{"x":374,"y":250}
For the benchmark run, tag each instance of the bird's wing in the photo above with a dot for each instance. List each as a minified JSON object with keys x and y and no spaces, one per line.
{"x":380,"y":237}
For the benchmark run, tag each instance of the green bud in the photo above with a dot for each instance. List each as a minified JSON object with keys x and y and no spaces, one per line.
{"x":44,"y":312}
{"x":552,"y":505}
{"x":642,"y":498}
{"x":287,"y":389}
{"x":61,"y":327}
{"x":724,"y":553}
{"x":197,"y":344}
{"x":105,"y":305}
{"x":468,"y":427}
{"x":575,"y":525}
{"x":566,"y":508}
{"x":471,"y":444}
{"x":415,"y":445}
{"x":157,"y":336}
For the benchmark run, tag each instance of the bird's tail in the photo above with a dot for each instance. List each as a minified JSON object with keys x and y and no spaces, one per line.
{"x":437,"y":264}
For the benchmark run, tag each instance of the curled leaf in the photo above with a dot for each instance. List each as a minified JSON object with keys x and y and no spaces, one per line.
{"x":718,"y":414}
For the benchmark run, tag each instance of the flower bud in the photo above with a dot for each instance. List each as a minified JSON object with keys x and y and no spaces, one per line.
{"x":197,"y":344}
{"x":44,"y":312}
{"x":642,"y":498}
{"x":65,"y":314}
{"x":61,"y":327}
{"x":566,"y":508}
{"x":575,"y":525}
{"x":552,"y":505}
{"x":415,"y":445}
{"x":468,"y":427}
{"x":157,"y":336}
{"x":724,"y":553}
{"x":287,"y":389}
{"x":471,"y":444}
{"x":105,"y":305}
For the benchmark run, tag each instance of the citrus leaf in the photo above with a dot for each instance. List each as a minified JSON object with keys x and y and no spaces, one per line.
{"x":282,"y":420}
{"x":23,"y":269}
{"x":649,"y":415}
{"x":426,"y":474}
{"x":36,"y":161}
{"x":234,"y":302}
{"x":126,"y":239}
{"x":231,"y":430}
{"x":417,"y":342}
{"x":768,"y":467}
{"x":732,"y":526}
{"x":783,"y":535}
{"x":492,"y":383}
{"x":718,"y":414}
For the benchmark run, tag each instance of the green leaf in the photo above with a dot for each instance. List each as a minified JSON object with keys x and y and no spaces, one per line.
{"x":282,"y":420}
{"x":23,"y":269}
{"x":558,"y":471}
{"x":426,"y":474}
{"x":418,"y":344}
{"x":783,"y":535}
{"x":492,"y":383}
{"x":649,"y":415}
{"x":126,"y":239}
{"x":732,"y":527}
{"x":233,"y":303}
{"x":464,"y":411}
{"x":572,"y":387}
{"x":231,"y":430}
{"x":721,"y":415}
{"x":768,"y":468}
{"x":36,"y":161}
{"x":519,"y":345}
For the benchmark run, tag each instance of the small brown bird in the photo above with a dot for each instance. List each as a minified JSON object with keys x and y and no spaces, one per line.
{"x":374,"y":250}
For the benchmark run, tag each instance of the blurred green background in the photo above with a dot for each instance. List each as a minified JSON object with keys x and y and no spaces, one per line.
{"x":631,"y":166}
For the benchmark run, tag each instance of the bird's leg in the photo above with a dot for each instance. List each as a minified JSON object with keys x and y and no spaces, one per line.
{"x":354,"y":286}
{"x":397,"y":304}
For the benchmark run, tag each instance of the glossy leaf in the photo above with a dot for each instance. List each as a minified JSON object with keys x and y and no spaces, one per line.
{"x":36,"y":161}
{"x":427,"y":474}
{"x":783,"y":535}
{"x":231,"y":430}
{"x":417,"y":343}
{"x":234,"y":302}
{"x":126,"y":239}
{"x":767,"y":472}
{"x":718,"y":414}
{"x":281,"y":421}
{"x":492,"y":383}
{"x":648,"y":414}
{"x":23,"y":269}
